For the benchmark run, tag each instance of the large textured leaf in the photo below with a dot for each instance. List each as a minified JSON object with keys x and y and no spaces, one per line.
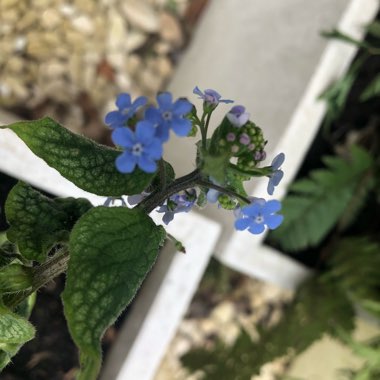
{"x":316,"y":203}
{"x":88,"y":165}
{"x":111,"y":252}
{"x":37,"y":222}
{"x":14,"y":332}
{"x":318,"y":308}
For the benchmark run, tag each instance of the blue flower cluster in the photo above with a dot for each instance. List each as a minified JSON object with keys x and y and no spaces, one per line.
{"x":142,"y":142}
{"x":142,"y":146}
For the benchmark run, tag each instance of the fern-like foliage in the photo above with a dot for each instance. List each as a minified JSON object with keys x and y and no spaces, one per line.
{"x":355,"y":265}
{"x":315,"y":204}
{"x":319,"y":307}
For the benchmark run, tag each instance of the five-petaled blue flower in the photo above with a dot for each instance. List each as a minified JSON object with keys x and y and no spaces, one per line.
{"x":237,"y":116}
{"x":257,"y":215}
{"x":169,"y":115}
{"x":181,"y":202}
{"x":210,"y":96}
{"x":276,"y":176}
{"x":141,"y":148}
{"x":126,"y":110}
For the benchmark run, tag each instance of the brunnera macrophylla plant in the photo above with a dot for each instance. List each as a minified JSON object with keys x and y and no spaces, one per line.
{"x":106,"y":251}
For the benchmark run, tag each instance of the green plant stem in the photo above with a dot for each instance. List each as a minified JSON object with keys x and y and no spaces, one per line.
{"x":162,"y":174}
{"x":41,"y":275}
{"x":192,"y":179}
{"x":223,"y":190}
{"x":158,"y":197}
{"x":256,"y":172}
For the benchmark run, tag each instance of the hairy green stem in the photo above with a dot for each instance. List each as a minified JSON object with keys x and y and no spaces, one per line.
{"x":255,"y":172}
{"x":41,"y":275}
{"x":157,"y":198}
{"x":223,"y":190}
{"x":162,"y":173}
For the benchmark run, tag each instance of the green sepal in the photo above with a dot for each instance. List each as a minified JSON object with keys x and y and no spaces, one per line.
{"x":37,"y":222}
{"x":88,"y":165}
{"x":14,"y":278}
{"x":111,"y":252}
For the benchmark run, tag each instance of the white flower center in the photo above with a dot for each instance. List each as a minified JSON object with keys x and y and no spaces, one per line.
{"x":125,"y":111}
{"x":137,"y":149}
{"x":259,"y":219}
{"x":167,"y":115}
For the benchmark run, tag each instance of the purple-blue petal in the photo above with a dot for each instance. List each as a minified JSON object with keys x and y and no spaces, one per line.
{"x":227,"y":101}
{"x":273,"y":221}
{"x":145,"y":131}
{"x":252,"y":210}
{"x":115,"y":119}
{"x":277,"y":177}
{"x":181,"y":127}
{"x":123,"y":101}
{"x":271,"y":207}
{"x":256,"y":228}
{"x":162,"y":132}
{"x":278,"y":161}
{"x":126,"y":162}
{"x":154,"y":149}
{"x":212,"y":196}
{"x":165,"y":101}
{"x":123,"y":137}
{"x":153,"y":115}
{"x":139,"y":102}
{"x":242,"y":224}
{"x":146,"y":164}
{"x":168,"y":217}
{"x":197,"y":91}
{"x":270,"y":187}
{"x":182,"y":107}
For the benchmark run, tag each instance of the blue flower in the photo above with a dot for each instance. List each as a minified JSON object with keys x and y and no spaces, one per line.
{"x":257,"y":215}
{"x":237,"y":116}
{"x":276,"y":176}
{"x":141,"y":148}
{"x":126,"y":110}
{"x":210,"y":96}
{"x":169,"y":115}
{"x":181,"y":202}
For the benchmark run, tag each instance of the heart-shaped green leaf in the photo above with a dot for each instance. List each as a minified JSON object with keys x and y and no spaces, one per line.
{"x":88,"y":165}
{"x":111,"y":252}
{"x":38,"y":222}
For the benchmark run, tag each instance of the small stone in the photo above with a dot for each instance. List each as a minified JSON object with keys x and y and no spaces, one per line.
{"x":17,"y":88}
{"x":27,"y":21}
{"x":141,"y":15}
{"x":133,"y":64}
{"x":117,"y":34}
{"x":83,"y":24}
{"x":54,"y":69}
{"x":50,"y":18}
{"x":20,"y":43}
{"x":123,"y":80}
{"x":11,"y":16}
{"x":229,"y":333}
{"x":15,"y":64}
{"x":116,"y":59}
{"x":67,"y":10}
{"x":8,"y":4}
{"x":170,"y":29}
{"x":162,"y":48}
{"x":224,"y":312}
{"x":135,"y":40}
{"x":42,"y":4}
{"x":150,"y":80}
{"x":5,"y":90}
{"x":163,"y":66}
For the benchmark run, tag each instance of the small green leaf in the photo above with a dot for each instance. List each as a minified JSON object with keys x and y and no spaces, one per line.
{"x":374,"y":28}
{"x":111,"y":252}
{"x":37,"y":222}
{"x":14,"y":278}
{"x":14,"y":332}
{"x":88,"y":165}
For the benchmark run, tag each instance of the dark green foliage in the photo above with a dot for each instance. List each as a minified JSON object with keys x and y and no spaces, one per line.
{"x":372,"y":90}
{"x":319,"y":307}
{"x":37,"y":222}
{"x":355,"y":263}
{"x":315,"y":204}
{"x":111,"y":252}
{"x":87,"y":164}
